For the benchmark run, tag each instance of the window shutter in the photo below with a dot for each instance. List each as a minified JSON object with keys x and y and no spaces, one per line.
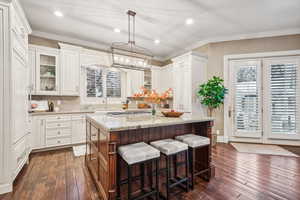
{"x":113,"y":84}
{"x":247,"y":99}
{"x":94,"y":82}
{"x":283,"y":98}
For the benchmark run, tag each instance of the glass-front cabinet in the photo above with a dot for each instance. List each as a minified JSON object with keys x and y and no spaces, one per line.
{"x":47,"y":81}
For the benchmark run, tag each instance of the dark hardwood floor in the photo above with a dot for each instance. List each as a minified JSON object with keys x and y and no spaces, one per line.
{"x":59,"y":175}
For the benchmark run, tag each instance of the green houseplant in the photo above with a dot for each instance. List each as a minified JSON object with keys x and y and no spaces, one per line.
{"x":212,"y":93}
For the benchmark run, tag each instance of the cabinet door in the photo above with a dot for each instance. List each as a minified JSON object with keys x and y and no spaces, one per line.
{"x":31,"y":70}
{"x":47,"y":73}
{"x":70,"y":72}
{"x":78,"y":129}
{"x":38,"y":133}
{"x":135,"y":80}
{"x":19,"y":97}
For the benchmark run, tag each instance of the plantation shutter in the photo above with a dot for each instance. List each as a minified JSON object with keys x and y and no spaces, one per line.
{"x":246,"y":93}
{"x":113,"y":84}
{"x":284,"y":83}
{"x":94,"y":82}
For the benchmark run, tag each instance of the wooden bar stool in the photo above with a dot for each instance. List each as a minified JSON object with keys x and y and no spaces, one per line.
{"x":137,"y":154}
{"x":171,"y":148}
{"x":194,"y":142}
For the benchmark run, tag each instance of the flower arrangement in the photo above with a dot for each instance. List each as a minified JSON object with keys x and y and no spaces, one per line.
{"x":153,"y":97}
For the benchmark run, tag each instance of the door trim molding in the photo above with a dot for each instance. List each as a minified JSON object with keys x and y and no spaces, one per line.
{"x":227,"y":58}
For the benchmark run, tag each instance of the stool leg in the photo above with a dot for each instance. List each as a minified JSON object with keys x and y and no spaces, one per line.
{"x":175,"y":165}
{"x":168,"y":176}
{"x":118,"y":177}
{"x":142,"y":171}
{"x":157,"y":178}
{"x":192,"y":166}
{"x":129,"y":182}
{"x":187,"y":169}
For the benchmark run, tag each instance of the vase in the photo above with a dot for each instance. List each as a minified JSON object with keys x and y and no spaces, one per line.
{"x":153,"y":112}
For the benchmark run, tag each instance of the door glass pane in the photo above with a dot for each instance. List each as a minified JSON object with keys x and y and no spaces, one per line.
{"x":247,"y":99}
{"x":47,"y":73}
{"x":283,"y":98}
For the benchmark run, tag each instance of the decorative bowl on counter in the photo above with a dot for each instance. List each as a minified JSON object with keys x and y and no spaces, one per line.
{"x":172,"y":113}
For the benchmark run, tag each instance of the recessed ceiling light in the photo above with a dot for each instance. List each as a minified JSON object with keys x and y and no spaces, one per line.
{"x":189,"y":21}
{"x":116,"y":30}
{"x":58,"y":13}
{"x":157,"y":41}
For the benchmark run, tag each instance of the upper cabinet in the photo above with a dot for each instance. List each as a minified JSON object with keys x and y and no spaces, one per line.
{"x":47,"y":71}
{"x":70,"y":70}
{"x":189,"y":71}
{"x":162,"y":78}
{"x":54,"y":71}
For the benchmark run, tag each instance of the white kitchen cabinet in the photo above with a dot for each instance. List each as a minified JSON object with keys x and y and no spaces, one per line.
{"x":31,"y":69}
{"x":38,"y":132}
{"x":14,"y":30}
{"x":189,"y":71}
{"x":70,"y":70}
{"x":78,"y":129}
{"x":162,"y":78}
{"x":135,"y":80}
{"x":47,"y":71}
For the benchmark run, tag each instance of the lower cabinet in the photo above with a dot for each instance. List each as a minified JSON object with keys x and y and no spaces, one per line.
{"x":57,"y":130}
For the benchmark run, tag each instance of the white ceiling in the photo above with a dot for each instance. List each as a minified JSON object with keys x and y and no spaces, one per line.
{"x":93,"y":21}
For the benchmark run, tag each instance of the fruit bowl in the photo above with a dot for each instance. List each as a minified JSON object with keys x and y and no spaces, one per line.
{"x":172,"y":113}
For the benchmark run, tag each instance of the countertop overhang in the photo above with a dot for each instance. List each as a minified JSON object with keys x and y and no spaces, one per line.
{"x":138,"y":121}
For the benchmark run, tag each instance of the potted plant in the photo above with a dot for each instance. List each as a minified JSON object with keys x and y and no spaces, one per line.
{"x":212,"y":94}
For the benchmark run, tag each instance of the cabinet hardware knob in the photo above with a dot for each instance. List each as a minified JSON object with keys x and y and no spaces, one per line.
{"x":58,"y":132}
{"x":58,"y":142}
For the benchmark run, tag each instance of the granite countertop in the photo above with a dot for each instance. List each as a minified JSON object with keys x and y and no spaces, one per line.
{"x":137,"y":121}
{"x":89,"y":111}
{"x":61,"y":112}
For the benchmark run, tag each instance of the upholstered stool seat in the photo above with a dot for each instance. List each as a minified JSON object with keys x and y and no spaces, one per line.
{"x":196,"y":143}
{"x":169,"y":146}
{"x":170,"y":149}
{"x":138,"y":152}
{"x":193,"y":140}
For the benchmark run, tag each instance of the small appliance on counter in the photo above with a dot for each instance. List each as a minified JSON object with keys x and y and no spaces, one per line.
{"x":39,"y":106}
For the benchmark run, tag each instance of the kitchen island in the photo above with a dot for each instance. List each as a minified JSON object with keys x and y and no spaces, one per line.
{"x":105,"y":133}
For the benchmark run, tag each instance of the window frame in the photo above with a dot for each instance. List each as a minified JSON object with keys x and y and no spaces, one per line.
{"x":84,"y":99}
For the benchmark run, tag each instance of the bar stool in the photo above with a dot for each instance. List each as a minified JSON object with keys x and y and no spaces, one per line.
{"x":137,"y":154}
{"x":194,"y":142}
{"x":171,"y":148}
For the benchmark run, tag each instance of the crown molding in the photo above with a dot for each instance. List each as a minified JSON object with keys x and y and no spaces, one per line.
{"x":234,"y":37}
{"x":16,"y":4}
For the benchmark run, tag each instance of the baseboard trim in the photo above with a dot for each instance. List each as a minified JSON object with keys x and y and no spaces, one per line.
{"x":5,"y":188}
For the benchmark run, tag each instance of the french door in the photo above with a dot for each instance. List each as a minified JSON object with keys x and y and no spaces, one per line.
{"x":264,"y":99}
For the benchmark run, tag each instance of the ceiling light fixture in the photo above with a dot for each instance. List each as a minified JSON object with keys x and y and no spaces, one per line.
{"x":116,"y":30}
{"x":140,"y":56}
{"x":157,"y":41}
{"x":58,"y":13}
{"x":189,"y":21}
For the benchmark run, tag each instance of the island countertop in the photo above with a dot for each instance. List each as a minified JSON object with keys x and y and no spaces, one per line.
{"x":137,"y":121}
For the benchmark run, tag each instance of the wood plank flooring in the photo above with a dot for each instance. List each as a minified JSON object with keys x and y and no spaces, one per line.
{"x":59,"y":175}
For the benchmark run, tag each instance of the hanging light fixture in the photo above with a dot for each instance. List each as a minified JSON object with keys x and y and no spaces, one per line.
{"x":129,"y":55}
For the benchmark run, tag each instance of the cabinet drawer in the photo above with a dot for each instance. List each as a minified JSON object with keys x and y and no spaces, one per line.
{"x":56,"y":133}
{"x":58,"y":141}
{"x":62,"y":124}
{"x":57,"y":118}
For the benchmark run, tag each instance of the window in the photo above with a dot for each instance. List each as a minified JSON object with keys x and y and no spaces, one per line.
{"x":94,"y":83}
{"x":100,"y":83}
{"x":113,"y":84}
